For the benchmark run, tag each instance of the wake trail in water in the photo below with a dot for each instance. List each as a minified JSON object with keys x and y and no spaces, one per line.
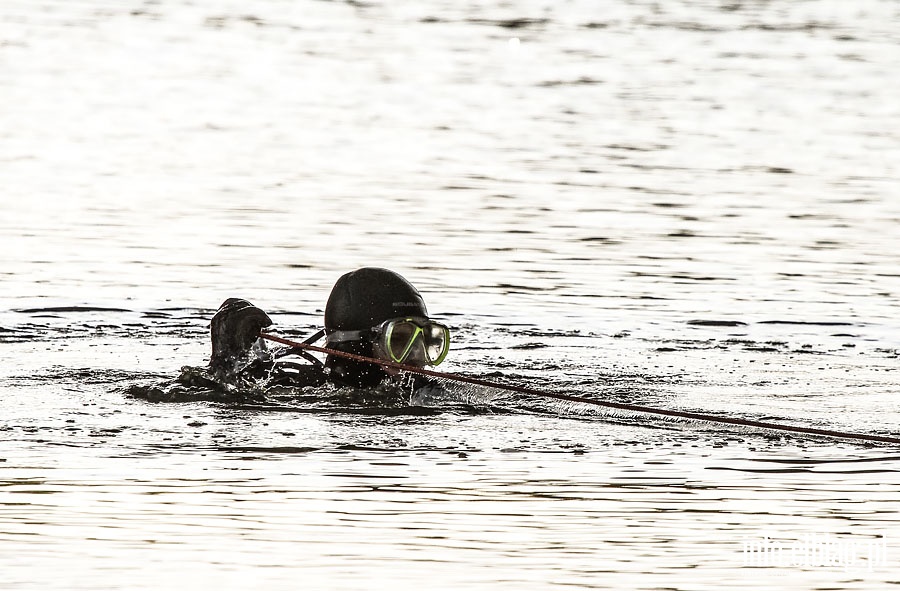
{"x":616,"y":406}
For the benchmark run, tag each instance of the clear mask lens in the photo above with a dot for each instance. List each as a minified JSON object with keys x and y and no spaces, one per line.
{"x":437,"y":343}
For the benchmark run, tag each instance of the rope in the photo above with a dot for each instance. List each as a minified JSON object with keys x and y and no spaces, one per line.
{"x":584,"y":400}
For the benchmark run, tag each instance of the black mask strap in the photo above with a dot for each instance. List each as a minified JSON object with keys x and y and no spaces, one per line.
{"x":302,"y":353}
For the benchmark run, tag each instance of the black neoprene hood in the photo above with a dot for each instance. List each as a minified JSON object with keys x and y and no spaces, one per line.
{"x":367,"y":297}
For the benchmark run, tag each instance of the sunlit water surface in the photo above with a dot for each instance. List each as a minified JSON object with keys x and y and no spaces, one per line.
{"x":688,"y":205}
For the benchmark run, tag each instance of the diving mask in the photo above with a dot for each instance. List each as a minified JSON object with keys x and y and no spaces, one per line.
{"x":412,"y":339}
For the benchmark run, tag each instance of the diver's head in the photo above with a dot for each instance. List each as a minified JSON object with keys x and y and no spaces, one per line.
{"x":377,"y":313}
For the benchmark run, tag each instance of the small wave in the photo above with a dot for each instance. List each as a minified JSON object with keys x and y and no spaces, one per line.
{"x":723,"y":323}
{"x":66,"y":309}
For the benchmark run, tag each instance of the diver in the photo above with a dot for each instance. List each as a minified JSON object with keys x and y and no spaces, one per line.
{"x":371,"y":312}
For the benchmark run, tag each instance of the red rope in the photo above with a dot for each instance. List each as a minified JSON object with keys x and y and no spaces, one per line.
{"x":584,"y":400}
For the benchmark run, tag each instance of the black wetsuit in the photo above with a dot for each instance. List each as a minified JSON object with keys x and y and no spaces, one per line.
{"x":264,"y":381}
{"x":243,"y":367}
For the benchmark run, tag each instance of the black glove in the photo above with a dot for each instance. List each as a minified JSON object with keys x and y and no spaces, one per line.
{"x":234,"y":329}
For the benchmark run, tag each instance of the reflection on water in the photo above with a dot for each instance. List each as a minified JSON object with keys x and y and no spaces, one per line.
{"x":688,"y":205}
{"x":648,"y":508}
{"x":506,"y":492}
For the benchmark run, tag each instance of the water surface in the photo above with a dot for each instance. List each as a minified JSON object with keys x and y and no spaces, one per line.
{"x":691,"y":205}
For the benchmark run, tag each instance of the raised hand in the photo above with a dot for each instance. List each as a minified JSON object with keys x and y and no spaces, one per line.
{"x":234,"y":329}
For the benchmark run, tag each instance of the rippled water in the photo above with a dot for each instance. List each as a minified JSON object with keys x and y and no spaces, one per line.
{"x":691,"y":205}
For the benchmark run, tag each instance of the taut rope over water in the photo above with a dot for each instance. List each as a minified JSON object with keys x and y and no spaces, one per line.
{"x":584,"y":400}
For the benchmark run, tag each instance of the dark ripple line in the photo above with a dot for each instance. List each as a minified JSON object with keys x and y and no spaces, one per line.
{"x":841,"y":460}
{"x":799,"y":470}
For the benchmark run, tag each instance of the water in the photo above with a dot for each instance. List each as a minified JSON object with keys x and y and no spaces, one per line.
{"x":691,"y":205}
